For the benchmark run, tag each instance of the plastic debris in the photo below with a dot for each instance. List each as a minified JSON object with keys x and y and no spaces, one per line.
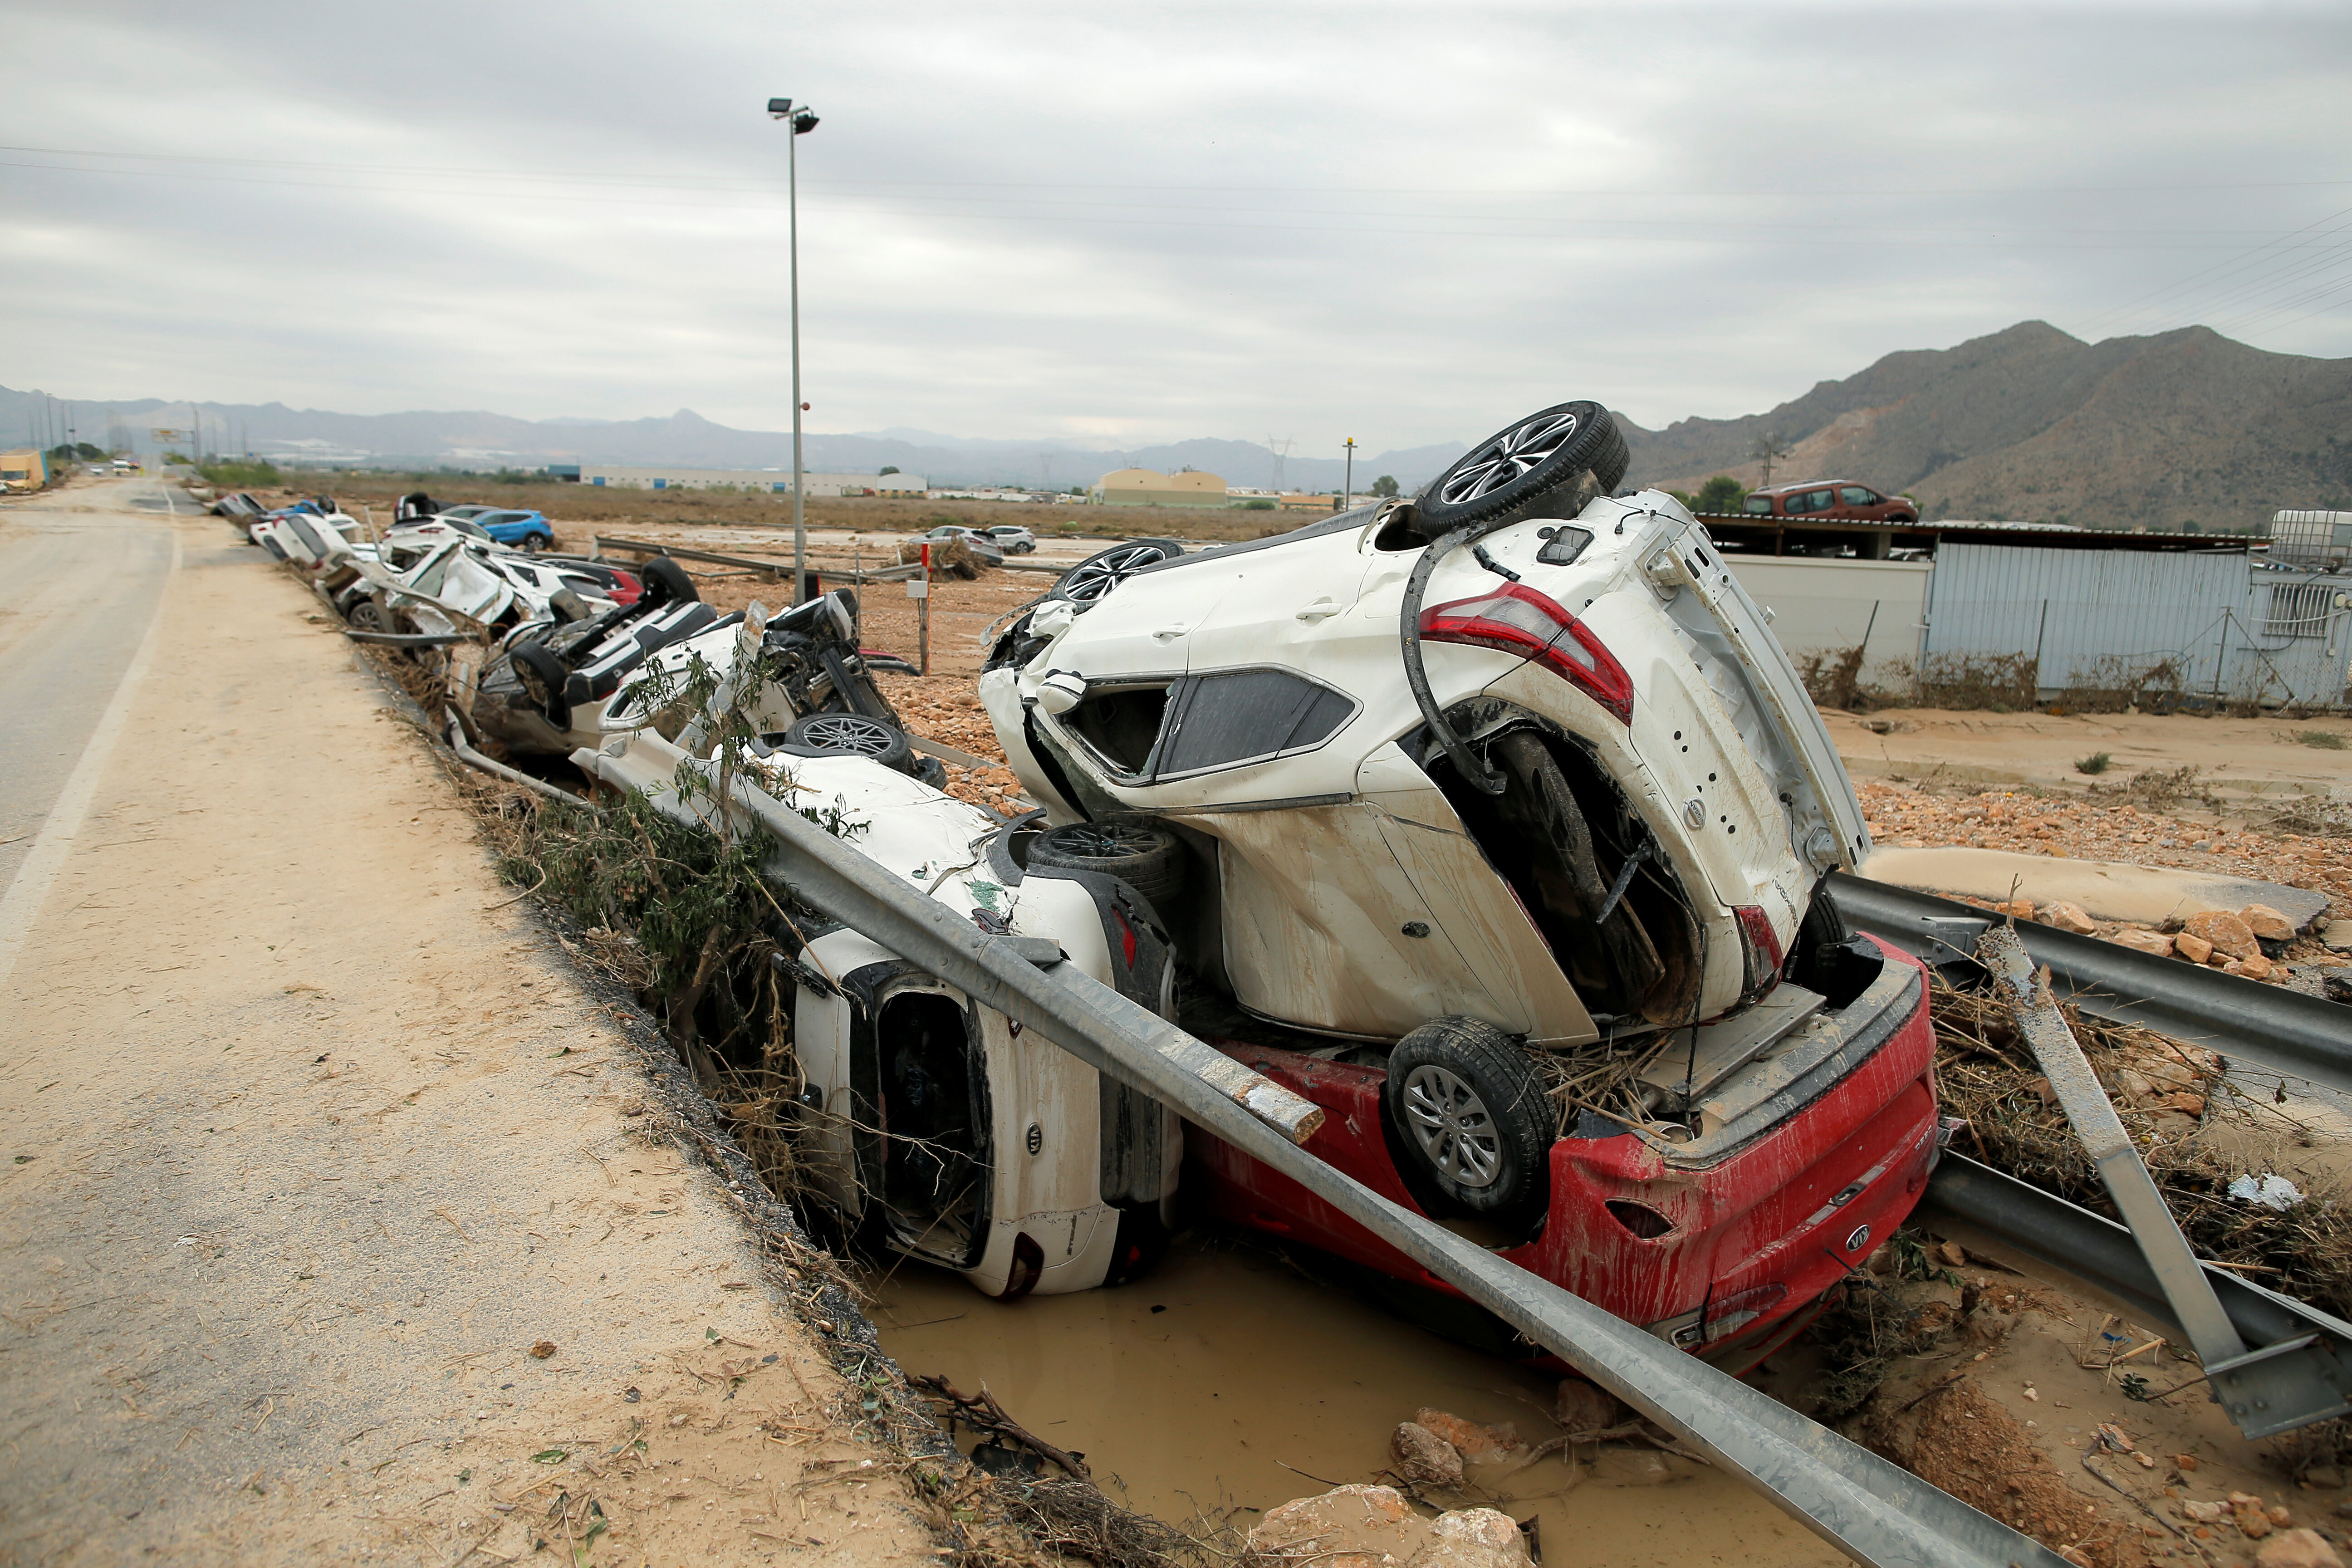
{"x":2273,"y":1192}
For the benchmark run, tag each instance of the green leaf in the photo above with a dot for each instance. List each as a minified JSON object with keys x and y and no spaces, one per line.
{"x":550,"y":1456}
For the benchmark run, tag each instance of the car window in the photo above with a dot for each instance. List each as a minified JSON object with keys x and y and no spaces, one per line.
{"x":1761,"y":505}
{"x":428,"y":581}
{"x":1244,"y":715}
{"x":1819,"y":501}
{"x":1854,"y":495}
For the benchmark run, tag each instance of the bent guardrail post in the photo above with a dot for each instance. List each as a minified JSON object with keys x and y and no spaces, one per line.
{"x":2036,"y":1233}
{"x":2260,"y":1389}
{"x":2265,"y":1024}
{"x":1868,"y":1508}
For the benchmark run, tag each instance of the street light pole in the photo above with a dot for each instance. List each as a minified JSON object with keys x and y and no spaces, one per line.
{"x":801,"y":122}
{"x":1348,"y":500}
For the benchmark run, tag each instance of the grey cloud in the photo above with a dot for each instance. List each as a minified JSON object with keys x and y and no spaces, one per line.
{"x":1138,"y":224}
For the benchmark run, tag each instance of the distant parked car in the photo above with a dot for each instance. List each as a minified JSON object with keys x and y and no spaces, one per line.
{"x":522,"y":530}
{"x":1013,"y":539}
{"x":1831,"y":500}
{"x":985,"y":550}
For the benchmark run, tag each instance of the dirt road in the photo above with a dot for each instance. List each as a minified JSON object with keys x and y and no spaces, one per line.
{"x":328,"y":1231}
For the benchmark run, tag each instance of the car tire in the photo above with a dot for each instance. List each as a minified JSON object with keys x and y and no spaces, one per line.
{"x":543,"y":678}
{"x":367,"y":616}
{"x":1471,"y":1113}
{"x":848,"y":735}
{"x":533,"y":543}
{"x":664,"y":582}
{"x":1530,"y":457}
{"x":1099,"y":574}
{"x":1148,"y":860}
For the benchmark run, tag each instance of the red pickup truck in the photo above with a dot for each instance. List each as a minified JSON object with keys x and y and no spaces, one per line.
{"x":1831,"y":500}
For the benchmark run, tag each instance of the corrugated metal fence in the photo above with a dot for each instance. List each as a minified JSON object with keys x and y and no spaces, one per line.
{"x":2208,"y":626}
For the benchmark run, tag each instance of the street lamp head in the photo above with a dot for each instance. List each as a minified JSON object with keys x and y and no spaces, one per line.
{"x":802,"y":122}
{"x":780,"y":107}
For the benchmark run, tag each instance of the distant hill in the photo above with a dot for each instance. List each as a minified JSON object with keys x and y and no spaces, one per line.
{"x":481,"y":440}
{"x":2027,"y":423}
{"x":2031,"y":423}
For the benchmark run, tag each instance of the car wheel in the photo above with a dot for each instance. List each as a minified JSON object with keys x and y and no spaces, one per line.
{"x":367,"y":616}
{"x":1472,"y":1117}
{"x":1532,"y":458}
{"x":1099,"y":574}
{"x":664,"y":582}
{"x":1148,"y":860}
{"x":543,"y":678}
{"x":848,"y":734}
{"x":532,"y":543}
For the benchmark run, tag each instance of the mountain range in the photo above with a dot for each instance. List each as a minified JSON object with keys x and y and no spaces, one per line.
{"x":2159,"y":432}
{"x":2155,"y":432}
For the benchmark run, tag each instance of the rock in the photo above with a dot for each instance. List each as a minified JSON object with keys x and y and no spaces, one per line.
{"x":2266,"y":922}
{"x":1347,"y":1527}
{"x":2329,"y":1477}
{"x":1478,"y":1444}
{"x":1579,"y":1407}
{"x":2205,"y":1512}
{"x":2298,"y":1548}
{"x":2195,"y":948}
{"x":2338,"y":935}
{"x":2070,"y":916}
{"x":2227,"y":932}
{"x":2253,"y":1521}
{"x":1474,"y":1538}
{"x":2022,"y":908}
{"x":1952,"y":1254}
{"x":1423,"y":1457}
{"x":2257,"y":967}
{"x":2149,"y":942}
{"x":2336,"y":984}
{"x":2184,"y":1462}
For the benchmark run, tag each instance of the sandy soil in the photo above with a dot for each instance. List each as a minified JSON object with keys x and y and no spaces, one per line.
{"x":317,"y":1143}
{"x":2242,"y":758}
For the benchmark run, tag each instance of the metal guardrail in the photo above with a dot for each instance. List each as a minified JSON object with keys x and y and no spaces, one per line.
{"x":2022,"y":1227}
{"x":1872,"y":1510}
{"x":2267,"y":1388}
{"x":2305,"y":1036}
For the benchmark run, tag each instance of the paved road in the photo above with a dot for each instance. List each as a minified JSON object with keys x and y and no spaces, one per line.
{"x":81,"y":573}
{"x":309,"y":1132}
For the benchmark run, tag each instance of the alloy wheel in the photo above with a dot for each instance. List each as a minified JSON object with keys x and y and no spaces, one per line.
{"x":1517,"y":451}
{"x":1451,"y":1125}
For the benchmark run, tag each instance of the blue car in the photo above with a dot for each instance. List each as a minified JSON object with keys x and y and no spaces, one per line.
{"x":521,"y":530}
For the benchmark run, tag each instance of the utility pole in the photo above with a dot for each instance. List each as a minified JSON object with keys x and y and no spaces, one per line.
{"x":801,"y":122}
{"x":1768,"y":448}
{"x":1348,"y":486}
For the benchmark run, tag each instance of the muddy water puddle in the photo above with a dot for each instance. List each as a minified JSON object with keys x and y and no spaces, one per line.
{"x":1226,"y":1380}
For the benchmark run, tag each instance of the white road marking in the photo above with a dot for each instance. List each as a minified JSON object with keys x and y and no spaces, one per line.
{"x":22,"y":902}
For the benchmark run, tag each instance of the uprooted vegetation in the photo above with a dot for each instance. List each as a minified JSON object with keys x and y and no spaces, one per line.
{"x":2176,"y":1101}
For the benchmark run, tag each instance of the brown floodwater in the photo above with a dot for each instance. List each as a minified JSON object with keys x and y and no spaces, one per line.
{"x":1228,"y":1380}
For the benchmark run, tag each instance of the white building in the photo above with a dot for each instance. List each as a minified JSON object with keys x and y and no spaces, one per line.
{"x":772,"y":481}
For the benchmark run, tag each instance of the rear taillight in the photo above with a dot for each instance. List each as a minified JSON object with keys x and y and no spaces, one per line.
{"x":1514,"y":618}
{"x":1760,"y":950}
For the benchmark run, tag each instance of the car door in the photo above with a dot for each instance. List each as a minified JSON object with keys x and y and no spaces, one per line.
{"x":1859,"y":501}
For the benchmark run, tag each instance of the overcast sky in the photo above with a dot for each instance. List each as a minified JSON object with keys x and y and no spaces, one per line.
{"x":1137,"y":222}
